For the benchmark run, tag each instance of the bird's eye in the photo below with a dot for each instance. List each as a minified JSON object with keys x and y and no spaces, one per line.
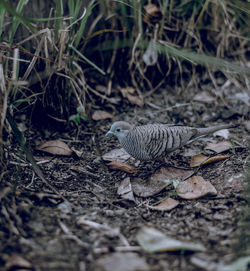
{"x":118,"y":130}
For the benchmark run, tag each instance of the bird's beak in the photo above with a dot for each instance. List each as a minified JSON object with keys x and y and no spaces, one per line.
{"x":109,"y":133}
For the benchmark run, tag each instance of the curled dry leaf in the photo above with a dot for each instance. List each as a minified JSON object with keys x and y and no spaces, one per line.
{"x":125,"y":190}
{"x":153,"y":240}
{"x":219,"y":147}
{"x":56,"y":147}
{"x":197,"y":160}
{"x":122,"y":166}
{"x":77,"y":153}
{"x":152,"y":14}
{"x":166,"y":205}
{"x":116,"y":155}
{"x":194,"y":188}
{"x":151,"y":55}
{"x":215,"y":159}
{"x":101,"y":115}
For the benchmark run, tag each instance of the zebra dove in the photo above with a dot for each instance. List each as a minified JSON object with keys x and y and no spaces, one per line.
{"x":154,"y":141}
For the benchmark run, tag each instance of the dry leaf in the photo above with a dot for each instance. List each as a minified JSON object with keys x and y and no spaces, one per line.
{"x":171,"y":173}
{"x":194,"y":188}
{"x":153,"y":240}
{"x":101,"y":115}
{"x":151,"y":55}
{"x":121,"y":261}
{"x":152,"y":14}
{"x":247,"y":125}
{"x":126,"y":91}
{"x":215,"y":159}
{"x":219,"y":147}
{"x":77,"y":153}
{"x":16,"y":262}
{"x":117,"y":155}
{"x":56,"y":147}
{"x":147,"y":188}
{"x":135,"y":100}
{"x":158,"y":181}
{"x":223,"y":133}
{"x":125,"y":190}
{"x":197,"y":160}
{"x":166,"y":205}
{"x":122,"y":166}
{"x":204,"y":97}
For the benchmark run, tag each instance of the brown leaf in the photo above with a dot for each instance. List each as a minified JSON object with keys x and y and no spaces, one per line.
{"x":158,"y":181}
{"x":152,"y":14}
{"x":122,"y":166}
{"x":120,"y":261}
{"x":126,"y":91}
{"x":135,"y":100}
{"x":219,"y":147}
{"x":147,"y":188}
{"x":166,"y":205}
{"x":101,"y":115}
{"x":77,"y":153}
{"x":194,"y":188}
{"x":125,"y":190}
{"x":116,"y":155}
{"x":16,"y":262}
{"x":56,"y":147}
{"x":215,"y":159}
{"x":171,"y":173}
{"x":197,"y":160}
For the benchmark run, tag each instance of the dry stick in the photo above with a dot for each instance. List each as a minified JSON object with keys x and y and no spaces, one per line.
{"x":29,"y":155}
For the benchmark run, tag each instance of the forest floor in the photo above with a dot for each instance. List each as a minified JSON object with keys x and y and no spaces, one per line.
{"x":91,"y":225}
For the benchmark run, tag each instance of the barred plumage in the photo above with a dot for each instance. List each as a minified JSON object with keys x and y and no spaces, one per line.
{"x":153,"y":141}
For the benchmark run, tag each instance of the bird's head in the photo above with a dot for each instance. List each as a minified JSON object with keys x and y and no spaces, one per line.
{"x":120,"y":129}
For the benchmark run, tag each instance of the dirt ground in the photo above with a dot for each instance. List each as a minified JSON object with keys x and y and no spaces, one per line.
{"x":95,"y":228}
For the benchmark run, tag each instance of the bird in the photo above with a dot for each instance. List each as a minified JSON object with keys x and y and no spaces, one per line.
{"x":155,"y":141}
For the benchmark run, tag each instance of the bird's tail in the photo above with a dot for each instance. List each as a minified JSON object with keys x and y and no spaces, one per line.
{"x":209,"y":130}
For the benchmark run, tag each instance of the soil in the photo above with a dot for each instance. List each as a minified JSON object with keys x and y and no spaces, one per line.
{"x":95,"y":228}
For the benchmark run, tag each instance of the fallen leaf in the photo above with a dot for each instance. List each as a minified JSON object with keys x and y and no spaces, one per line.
{"x":16,"y":262}
{"x":197,"y":160}
{"x":56,"y":147}
{"x":147,"y":188}
{"x":152,"y":240}
{"x":158,"y":181}
{"x":135,"y":100}
{"x":151,"y":55}
{"x":215,"y":159}
{"x":117,"y":155}
{"x":119,"y":261}
{"x":125,"y":190}
{"x":219,"y":147}
{"x":223,"y":133}
{"x":122,"y":166}
{"x":101,"y":115}
{"x":247,"y":125}
{"x":240,"y":264}
{"x":171,"y":174}
{"x":194,"y":188}
{"x":204,"y":97}
{"x":166,"y":205}
{"x":152,"y":13}
{"x":126,"y":91}
{"x":77,"y":153}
